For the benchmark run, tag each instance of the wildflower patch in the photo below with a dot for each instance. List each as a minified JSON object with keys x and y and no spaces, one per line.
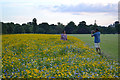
{"x":46,"y":56}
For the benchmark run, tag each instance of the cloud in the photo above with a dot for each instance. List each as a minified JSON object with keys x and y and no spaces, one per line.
{"x":83,"y":7}
{"x":59,"y":12}
{"x":74,"y":9}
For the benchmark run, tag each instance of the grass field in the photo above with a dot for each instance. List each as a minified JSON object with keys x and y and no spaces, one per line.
{"x":109,"y":43}
{"x":46,"y":56}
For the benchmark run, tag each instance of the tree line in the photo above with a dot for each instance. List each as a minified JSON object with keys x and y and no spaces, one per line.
{"x":45,"y":28}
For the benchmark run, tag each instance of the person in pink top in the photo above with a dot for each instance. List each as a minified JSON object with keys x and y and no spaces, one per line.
{"x":63,"y":36}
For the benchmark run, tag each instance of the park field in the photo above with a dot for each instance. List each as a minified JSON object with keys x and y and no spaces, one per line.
{"x":109,"y":43}
{"x":46,"y":56}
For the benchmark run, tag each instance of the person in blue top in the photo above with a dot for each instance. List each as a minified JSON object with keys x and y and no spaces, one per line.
{"x":96,"y":35}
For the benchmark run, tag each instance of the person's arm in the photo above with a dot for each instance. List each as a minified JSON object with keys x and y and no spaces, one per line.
{"x":66,"y":36}
{"x":92,"y":34}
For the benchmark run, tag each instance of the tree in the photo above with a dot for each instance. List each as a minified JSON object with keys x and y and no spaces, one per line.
{"x":0,"y":27}
{"x":34,"y":25}
{"x":117,"y":26}
{"x":18,"y":29}
{"x":45,"y":26}
{"x":83,"y":28}
{"x":10,"y":28}
{"x":70,"y":28}
{"x":27,"y":28}
{"x":59,"y":28}
{"x":52,"y":29}
{"x":7,"y":28}
{"x":4,"y":28}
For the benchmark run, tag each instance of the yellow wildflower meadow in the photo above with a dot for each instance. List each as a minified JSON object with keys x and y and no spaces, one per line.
{"x":46,"y":56}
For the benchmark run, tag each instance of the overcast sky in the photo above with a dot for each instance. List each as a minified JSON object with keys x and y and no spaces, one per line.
{"x":105,"y":12}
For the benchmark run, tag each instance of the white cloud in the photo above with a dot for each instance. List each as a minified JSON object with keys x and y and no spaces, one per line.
{"x":88,"y":8}
{"x":74,"y":2}
{"x":22,"y":11}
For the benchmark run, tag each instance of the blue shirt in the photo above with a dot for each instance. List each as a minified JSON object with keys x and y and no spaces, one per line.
{"x":97,"y":37}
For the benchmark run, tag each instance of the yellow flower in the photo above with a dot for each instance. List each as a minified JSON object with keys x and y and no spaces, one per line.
{"x":27,"y":71}
{"x":37,"y":71}
{"x":41,"y":55}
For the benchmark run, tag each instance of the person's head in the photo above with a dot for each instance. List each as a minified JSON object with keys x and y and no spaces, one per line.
{"x":64,"y":32}
{"x":96,"y":30}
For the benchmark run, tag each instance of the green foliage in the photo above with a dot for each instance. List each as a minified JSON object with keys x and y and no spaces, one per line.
{"x":27,"y":28}
{"x":18,"y":29}
{"x":83,"y":28}
{"x":117,"y":26}
{"x":70,"y":27}
{"x":34,"y":25}
{"x":45,"y":28}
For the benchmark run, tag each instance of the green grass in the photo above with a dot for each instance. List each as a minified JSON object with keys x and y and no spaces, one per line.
{"x":109,"y":43}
